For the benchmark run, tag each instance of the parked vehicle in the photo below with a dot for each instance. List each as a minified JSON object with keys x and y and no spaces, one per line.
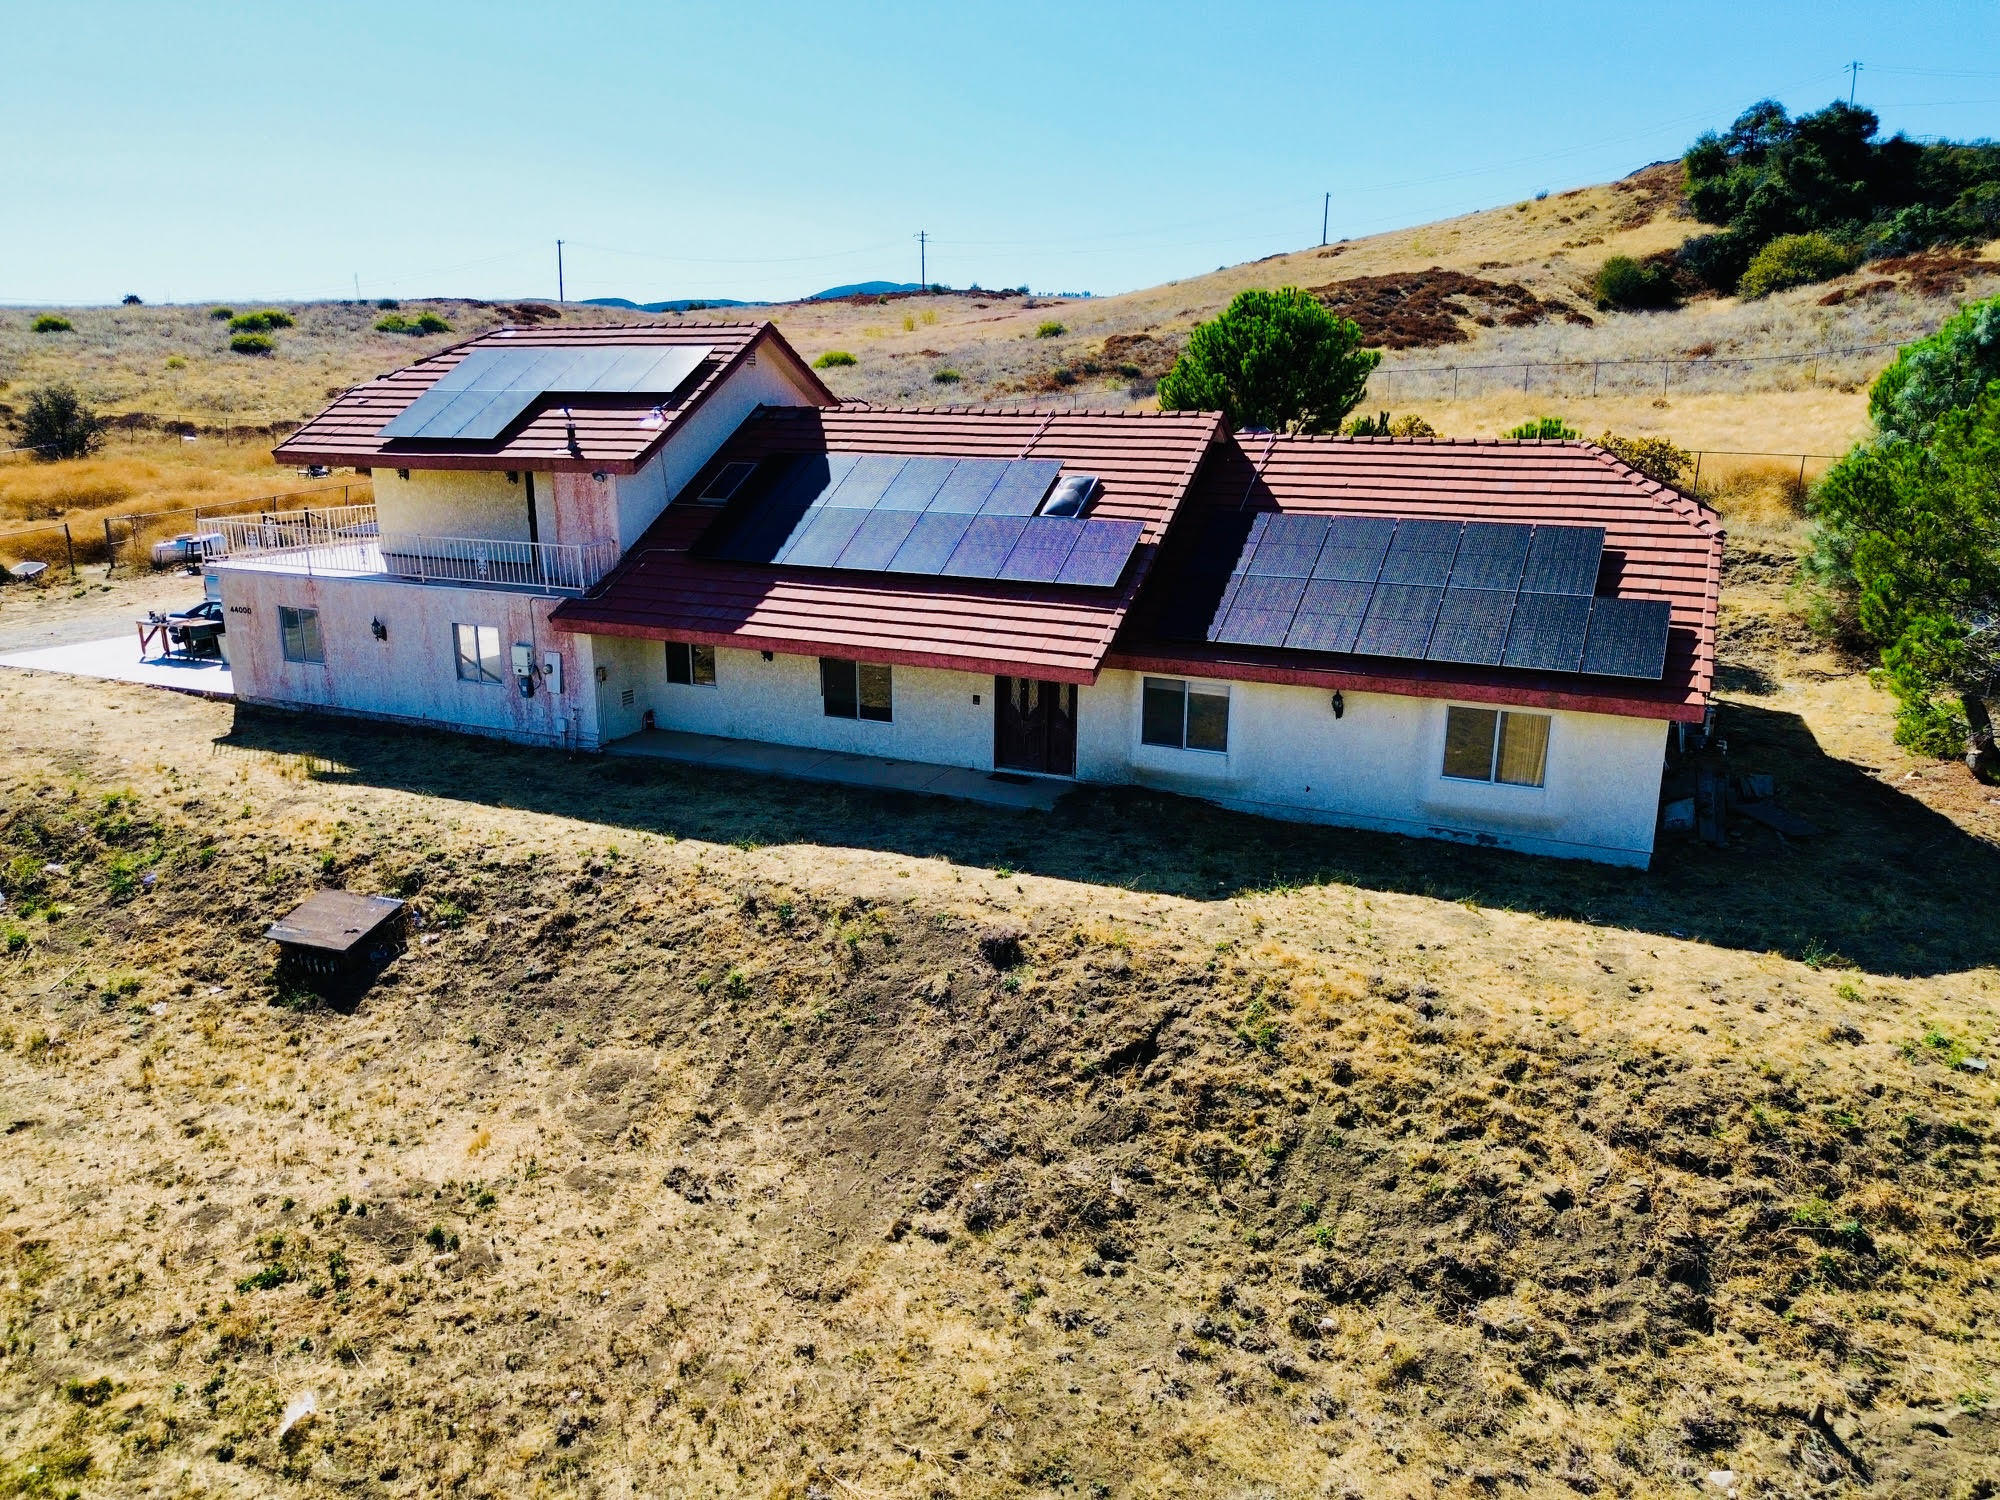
{"x":189,"y":549}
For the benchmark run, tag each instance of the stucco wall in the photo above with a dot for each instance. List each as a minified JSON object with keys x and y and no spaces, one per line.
{"x":412,"y":674}
{"x":779,"y":701}
{"x":642,"y":496}
{"x":1380,"y":765}
{"x":450,"y":502}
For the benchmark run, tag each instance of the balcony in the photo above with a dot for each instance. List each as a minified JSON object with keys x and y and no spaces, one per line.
{"x":347,"y":542}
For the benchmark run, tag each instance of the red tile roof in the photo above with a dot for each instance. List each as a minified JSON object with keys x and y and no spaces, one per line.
{"x":1671,"y":549}
{"x":1146,"y":463}
{"x":608,"y":428}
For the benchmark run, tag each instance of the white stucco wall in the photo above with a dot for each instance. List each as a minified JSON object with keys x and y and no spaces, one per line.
{"x":1380,"y":765}
{"x":778,"y":701}
{"x":411,"y":676}
{"x":642,"y":496}
{"x":451,"y":502}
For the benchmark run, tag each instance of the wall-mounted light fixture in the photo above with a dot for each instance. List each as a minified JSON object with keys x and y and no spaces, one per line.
{"x":768,"y":656}
{"x":513,"y":476}
{"x":381,"y":631}
{"x":402,"y":473}
{"x":599,"y":475}
{"x":1339,"y":704}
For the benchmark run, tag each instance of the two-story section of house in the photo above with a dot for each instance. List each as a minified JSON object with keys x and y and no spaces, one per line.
{"x":510,"y":472}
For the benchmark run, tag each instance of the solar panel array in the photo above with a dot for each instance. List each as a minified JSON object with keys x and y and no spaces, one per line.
{"x":482,"y":395}
{"x":925,"y":516}
{"x":1473,"y":593}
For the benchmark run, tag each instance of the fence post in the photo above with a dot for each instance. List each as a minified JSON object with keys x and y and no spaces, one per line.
{"x":1697,"y":473}
{"x":1524,"y":378}
{"x":110,"y":553}
{"x":1593,"y":380}
{"x":69,"y":547}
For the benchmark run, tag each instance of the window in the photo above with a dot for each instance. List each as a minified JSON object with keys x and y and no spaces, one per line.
{"x":1184,"y":715}
{"x":298,"y":635}
{"x":478,"y":652}
{"x":728,"y":480}
{"x":691,"y":665}
{"x":854,"y":690}
{"x":1484,"y":744}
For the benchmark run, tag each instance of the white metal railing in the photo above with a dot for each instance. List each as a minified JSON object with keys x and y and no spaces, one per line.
{"x":349,"y":540}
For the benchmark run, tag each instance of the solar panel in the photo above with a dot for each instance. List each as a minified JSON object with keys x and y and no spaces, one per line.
{"x":1421,"y":552}
{"x":1563,"y":560}
{"x":1399,"y":620}
{"x":767,"y":524}
{"x":1044,"y":547}
{"x":877,"y":539}
{"x":1490,"y":555}
{"x":965,"y":489}
{"x":866,"y":483}
{"x":1472,"y":626}
{"x":1256,"y":627}
{"x":931,"y":543}
{"x":727,"y":481}
{"x":984,"y":547}
{"x":1297,"y":530}
{"x":1314,"y":632}
{"x":819,"y":542}
{"x":1628,"y":638}
{"x":1259,"y":592}
{"x":1101,"y":554}
{"x":917,"y":485}
{"x":1547,"y":633}
{"x":512,"y":380}
{"x":1252,"y":539}
{"x":1022,"y":488}
{"x":1355,"y":547}
{"x":1282,"y":559}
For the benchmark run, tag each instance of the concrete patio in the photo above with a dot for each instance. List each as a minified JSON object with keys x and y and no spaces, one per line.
{"x":118,"y":660}
{"x":1026,"y":792}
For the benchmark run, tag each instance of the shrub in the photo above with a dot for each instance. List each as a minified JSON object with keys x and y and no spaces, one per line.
{"x":430,"y":322}
{"x":1276,"y":359}
{"x":1715,"y":261}
{"x":260,"y":322}
{"x":1409,"y":426}
{"x":834,"y":359}
{"x":56,"y":424}
{"x":1938,"y":374}
{"x":222,"y":314}
{"x":132,"y":299}
{"x":415,"y":327}
{"x":1050,"y":330}
{"x":1548,"y":429}
{"x":387,"y":304}
{"x":947,"y":376}
{"x":1633,"y":285}
{"x":1658,"y":459}
{"x":252,"y":343}
{"x":1795,"y":260}
{"x":50,"y":323}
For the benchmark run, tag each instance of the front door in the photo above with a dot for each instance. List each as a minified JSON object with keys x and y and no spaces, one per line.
{"x":1034,"y":726}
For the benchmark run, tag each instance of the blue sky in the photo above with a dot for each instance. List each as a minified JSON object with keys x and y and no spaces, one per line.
{"x":283,"y":150}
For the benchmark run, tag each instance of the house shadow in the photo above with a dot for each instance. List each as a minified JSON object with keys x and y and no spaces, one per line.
{"x":1888,"y":884}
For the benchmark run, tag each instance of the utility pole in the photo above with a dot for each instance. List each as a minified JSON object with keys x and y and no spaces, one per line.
{"x":1325,"y":208}
{"x":1853,"y":77}
{"x":559,"y":273}
{"x":923,"y":267}
{"x":357,"y":286}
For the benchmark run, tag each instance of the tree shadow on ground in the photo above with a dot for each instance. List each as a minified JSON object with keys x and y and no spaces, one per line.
{"x":1889,"y":885}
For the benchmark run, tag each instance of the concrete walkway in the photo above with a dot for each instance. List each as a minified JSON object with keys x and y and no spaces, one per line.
{"x":1040,"y":793}
{"x":118,"y":660}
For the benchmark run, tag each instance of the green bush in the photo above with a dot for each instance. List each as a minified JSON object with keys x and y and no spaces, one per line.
{"x":260,"y":322}
{"x":1408,"y":426}
{"x":56,"y":424}
{"x":50,"y":323}
{"x":947,"y":376}
{"x":1938,"y":374}
{"x":1796,"y":260}
{"x":834,"y":359}
{"x":1657,"y":458}
{"x":1275,"y":359}
{"x":1050,"y":330}
{"x":415,"y":327}
{"x":1634,"y":285}
{"x":387,"y":304}
{"x":222,"y":314}
{"x":252,"y":343}
{"x":1548,"y":429}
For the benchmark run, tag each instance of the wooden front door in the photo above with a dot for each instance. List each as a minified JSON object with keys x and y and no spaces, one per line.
{"x":1034,"y":726}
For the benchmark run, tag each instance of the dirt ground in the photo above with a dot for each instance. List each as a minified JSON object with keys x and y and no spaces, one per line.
{"x":723,"y":1136}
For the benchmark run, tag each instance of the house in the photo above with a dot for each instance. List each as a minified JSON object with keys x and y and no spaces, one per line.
{"x":581,"y":535}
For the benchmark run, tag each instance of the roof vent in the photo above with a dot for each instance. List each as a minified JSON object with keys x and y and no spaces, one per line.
{"x":1072,"y":495}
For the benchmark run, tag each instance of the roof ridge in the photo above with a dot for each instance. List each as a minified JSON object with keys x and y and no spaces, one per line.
{"x":986,"y":410}
{"x":1666,"y":496}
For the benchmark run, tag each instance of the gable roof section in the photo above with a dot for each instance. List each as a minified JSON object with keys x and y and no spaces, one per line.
{"x":613,"y":432}
{"x":662,"y":590}
{"x":1658,"y":545}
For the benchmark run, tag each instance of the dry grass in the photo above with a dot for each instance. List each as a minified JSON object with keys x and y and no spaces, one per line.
{"x":703,"y":1152}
